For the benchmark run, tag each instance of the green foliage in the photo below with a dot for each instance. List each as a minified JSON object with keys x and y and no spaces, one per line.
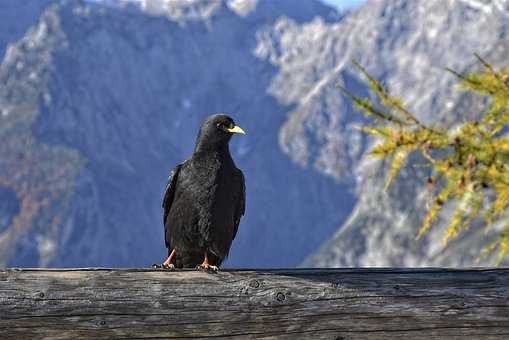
{"x":469,"y":163}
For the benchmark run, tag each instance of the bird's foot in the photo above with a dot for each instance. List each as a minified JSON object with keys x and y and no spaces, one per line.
{"x":168,"y":263}
{"x":164,"y":266}
{"x":207,"y":267}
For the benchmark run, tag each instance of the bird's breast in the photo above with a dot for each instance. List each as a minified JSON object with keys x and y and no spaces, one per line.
{"x":211,"y":184}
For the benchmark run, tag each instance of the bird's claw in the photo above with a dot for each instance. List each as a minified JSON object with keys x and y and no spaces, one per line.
{"x":163,"y":266}
{"x":207,"y":267}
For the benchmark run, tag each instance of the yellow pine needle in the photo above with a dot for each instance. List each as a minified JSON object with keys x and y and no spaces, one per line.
{"x":503,"y":245}
{"x":376,"y":131}
{"x":466,"y":211}
{"x":435,"y":209}
{"x":489,"y":249}
{"x":476,"y":152}
{"x":397,"y":162}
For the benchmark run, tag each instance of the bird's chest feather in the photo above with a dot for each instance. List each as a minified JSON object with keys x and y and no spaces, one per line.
{"x":209,"y":184}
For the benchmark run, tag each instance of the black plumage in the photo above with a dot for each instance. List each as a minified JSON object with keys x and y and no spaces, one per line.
{"x":204,"y":200}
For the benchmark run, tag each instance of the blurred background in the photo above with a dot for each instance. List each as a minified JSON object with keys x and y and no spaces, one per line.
{"x":100,"y":99}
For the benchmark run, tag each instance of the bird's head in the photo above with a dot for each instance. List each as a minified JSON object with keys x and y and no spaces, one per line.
{"x":216,"y":131}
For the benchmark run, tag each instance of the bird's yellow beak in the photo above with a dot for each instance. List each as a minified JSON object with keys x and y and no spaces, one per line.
{"x":236,"y":129}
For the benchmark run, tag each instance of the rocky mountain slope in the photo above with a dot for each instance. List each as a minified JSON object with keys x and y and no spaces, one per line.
{"x":100,"y":101}
{"x":17,"y":17}
{"x":431,"y":35}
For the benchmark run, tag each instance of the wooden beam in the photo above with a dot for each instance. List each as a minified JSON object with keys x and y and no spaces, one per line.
{"x":304,"y":303}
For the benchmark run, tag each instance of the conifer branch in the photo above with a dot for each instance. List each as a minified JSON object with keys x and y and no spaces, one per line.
{"x":368,"y":107}
{"x":471,"y":160}
{"x":386,"y":98}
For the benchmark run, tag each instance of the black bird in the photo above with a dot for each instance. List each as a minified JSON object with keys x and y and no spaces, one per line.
{"x":204,"y":200}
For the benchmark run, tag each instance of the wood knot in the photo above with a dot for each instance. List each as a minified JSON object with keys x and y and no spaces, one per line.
{"x":254,"y":284}
{"x":102,"y":323}
{"x":280,"y":297}
{"x":41,"y":295}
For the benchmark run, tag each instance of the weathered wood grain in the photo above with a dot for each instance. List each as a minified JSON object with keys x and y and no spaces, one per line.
{"x":288,"y":304}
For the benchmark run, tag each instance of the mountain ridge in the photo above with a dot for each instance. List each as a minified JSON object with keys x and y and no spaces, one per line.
{"x":127,"y":104}
{"x":108,"y":109}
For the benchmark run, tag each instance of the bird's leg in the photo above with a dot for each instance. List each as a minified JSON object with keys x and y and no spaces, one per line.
{"x":168,"y":263}
{"x":206,"y":265}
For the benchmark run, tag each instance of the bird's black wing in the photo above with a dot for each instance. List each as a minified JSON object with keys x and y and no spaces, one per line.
{"x":169,"y":194}
{"x":241,"y":204}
